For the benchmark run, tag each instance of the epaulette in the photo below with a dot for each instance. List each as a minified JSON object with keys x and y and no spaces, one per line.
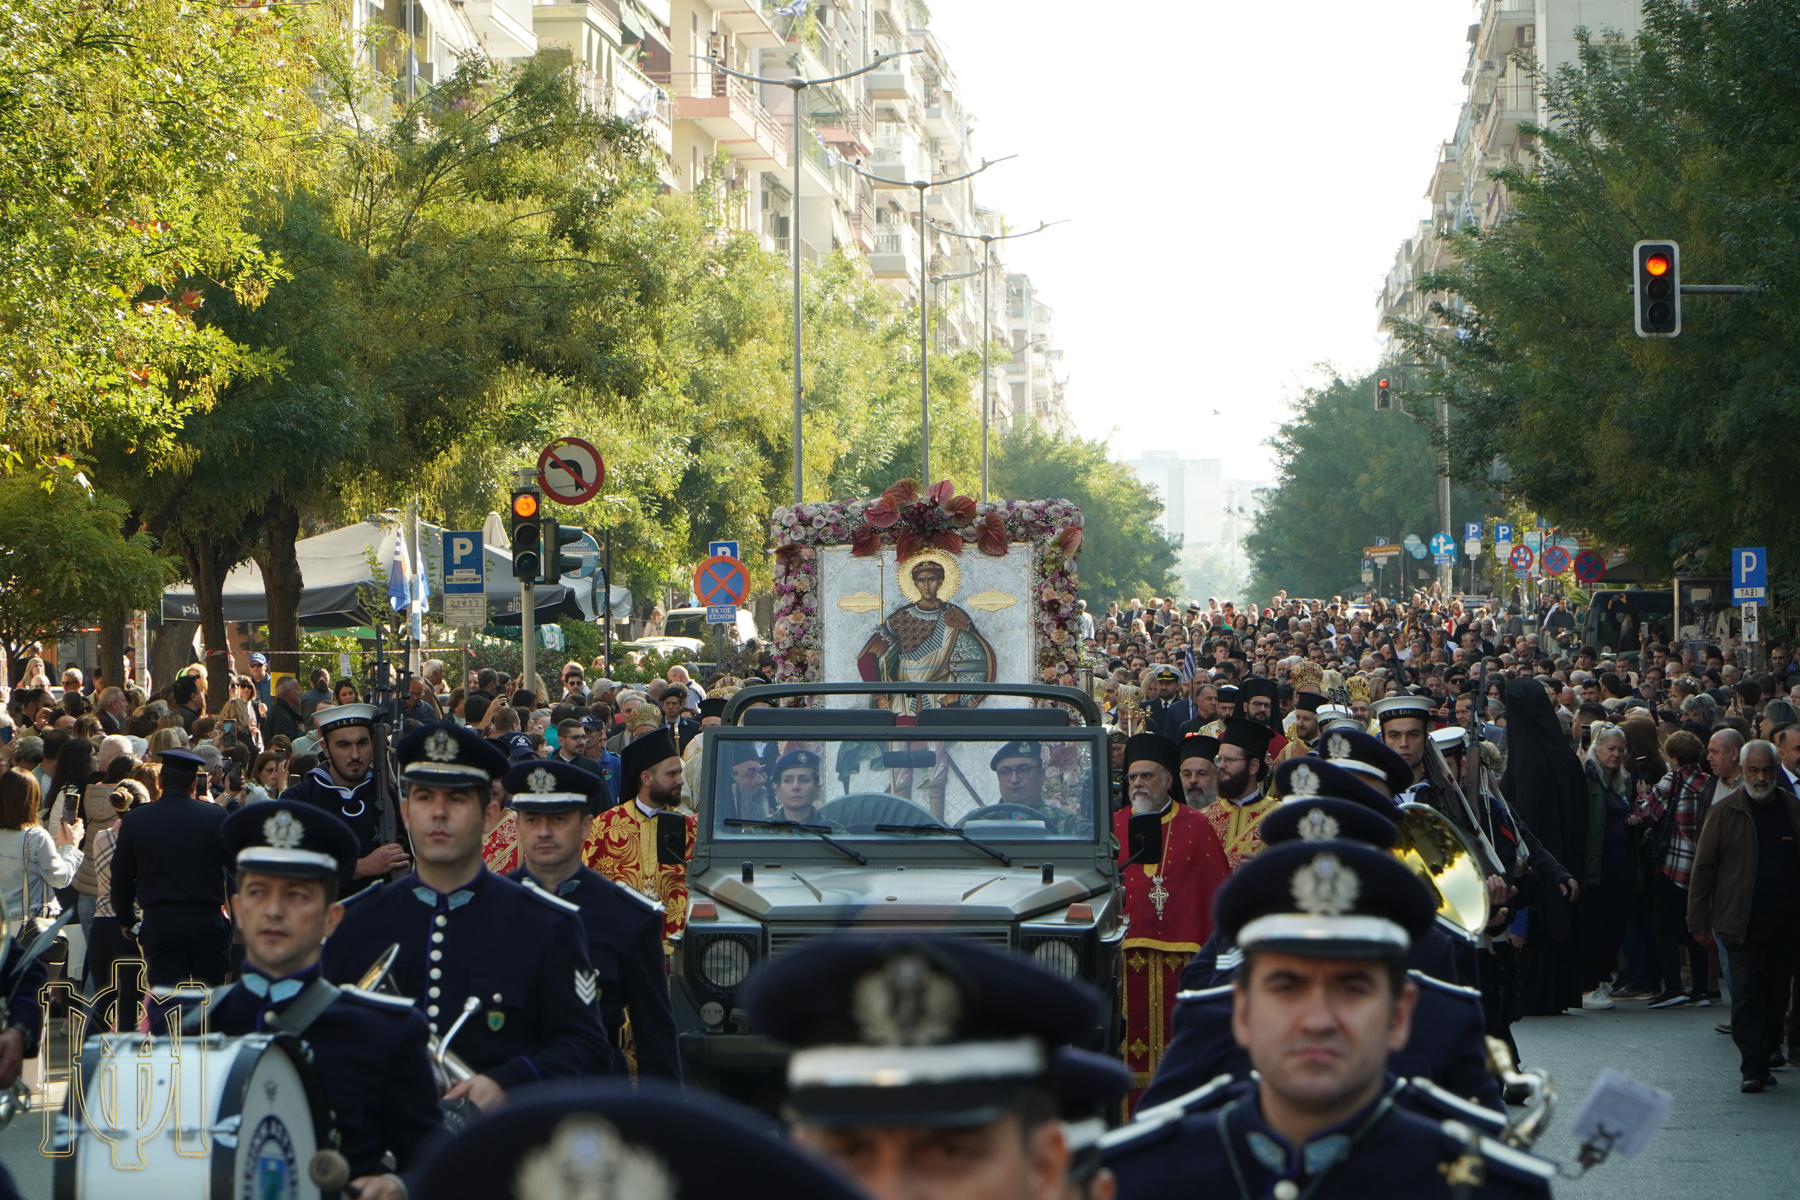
{"x":1436,"y":984}
{"x":380,"y":998}
{"x":1204,"y":993}
{"x":531,"y":885}
{"x":1446,"y":1103}
{"x":1188,"y":1102}
{"x":1140,"y":1134}
{"x":364,"y":894}
{"x":654,"y":906}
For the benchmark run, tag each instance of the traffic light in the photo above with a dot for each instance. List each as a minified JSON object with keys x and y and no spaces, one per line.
{"x":1384,"y":396}
{"x":528,"y":559}
{"x":1657,"y":279}
{"x":556,"y":536}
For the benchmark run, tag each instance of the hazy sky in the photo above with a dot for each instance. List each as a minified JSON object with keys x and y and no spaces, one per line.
{"x":1239,"y":177}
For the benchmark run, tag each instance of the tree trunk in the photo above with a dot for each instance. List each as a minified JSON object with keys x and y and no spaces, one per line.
{"x":207,"y":565}
{"x":282,"y":584}
{"x":171,"y":649}
{"x":113,"y":626}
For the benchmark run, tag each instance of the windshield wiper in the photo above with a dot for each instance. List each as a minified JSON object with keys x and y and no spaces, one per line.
{"x":819,"y":831}
{"x":1005,"y":858}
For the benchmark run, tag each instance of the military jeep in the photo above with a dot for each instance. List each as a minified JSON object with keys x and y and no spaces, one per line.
{"x":974,"y":820}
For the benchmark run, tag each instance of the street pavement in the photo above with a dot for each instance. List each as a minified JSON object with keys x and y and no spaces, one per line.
{"x":1717,"y":1142}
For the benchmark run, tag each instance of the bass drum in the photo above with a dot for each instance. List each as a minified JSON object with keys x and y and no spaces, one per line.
{"x":212,"y":1118}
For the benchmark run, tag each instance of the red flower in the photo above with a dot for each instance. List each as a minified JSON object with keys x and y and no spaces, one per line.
{"x":961,"y":507}
{"x":903,"y":492}
{"x":940,"y":492}
{"x":906,"y":544}
{"x":992,"y":538}
{"x":884,"y":513}
{"x":1069,"y":540}
{"x":787,"y":550}
{"x":864,"y":541}
{"x":946,"y":540}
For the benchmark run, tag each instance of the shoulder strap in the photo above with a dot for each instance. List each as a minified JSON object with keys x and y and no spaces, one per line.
{"x":313,"y":1000}
{"x":193,"y":1022}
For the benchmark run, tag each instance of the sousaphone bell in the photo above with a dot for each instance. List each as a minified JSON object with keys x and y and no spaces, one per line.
{"x":1438,"y":853}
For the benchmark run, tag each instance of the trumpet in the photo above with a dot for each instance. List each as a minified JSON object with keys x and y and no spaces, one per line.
{"x":449,"y":1068}
{"x":1437,"y":852}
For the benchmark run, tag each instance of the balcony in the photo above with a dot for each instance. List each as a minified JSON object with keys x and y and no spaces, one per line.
{"x":890,"y":166}
{"x":896,"y":253}
{"x":504,"y":26}
{"x":640,"y":100}
{"x":1500,"y":25}
{"x":1510,"y":105}
{"x":730,"y":114}
{"x":750,"y":25}
{"x":944,"y":117}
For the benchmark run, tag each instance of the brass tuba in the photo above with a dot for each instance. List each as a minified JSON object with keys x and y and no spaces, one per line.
{"x":1438,"y":853}
{"x":448,"y":1067}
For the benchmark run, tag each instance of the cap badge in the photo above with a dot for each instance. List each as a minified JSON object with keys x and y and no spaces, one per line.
{"x":906,"y":1002}
{"x":440,"y":746}
{"x":1318,"y":826}
{"x":283,"y":832}
{"x":1325,"y":887}
{"x":1337,"y":746}
{"x":1303,"y":782}
{"x":586,"y":1157}
{"x":541,"y":780}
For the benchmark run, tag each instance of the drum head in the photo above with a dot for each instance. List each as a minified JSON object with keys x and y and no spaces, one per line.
{"x":276,"y":1099}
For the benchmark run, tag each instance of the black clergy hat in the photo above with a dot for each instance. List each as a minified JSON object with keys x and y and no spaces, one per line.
{"x":1252,"y":737}
{"x":1308,"y":702}
{"x":1198,"y":745}
{"x":618,"y":1141}
{"x":292,"y":839}
{"x":1324,"y":899}
{"x":712,"y":706}
{"x":1255,"y":686}
{"x":552,"y":785}
{"x":915,"y":1030}
{"x":638,"y":756}
{"x":448,"y":755}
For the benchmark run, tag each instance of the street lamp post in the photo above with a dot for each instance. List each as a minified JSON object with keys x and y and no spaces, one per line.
{"x":987,"y":241}
{"x":797,"y":84}
{"x":921,"y":186}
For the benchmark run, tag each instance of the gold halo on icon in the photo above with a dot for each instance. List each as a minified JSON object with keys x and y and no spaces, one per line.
{"x":943,"y":558}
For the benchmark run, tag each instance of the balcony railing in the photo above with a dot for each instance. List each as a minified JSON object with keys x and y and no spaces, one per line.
{"x":741,"y":107}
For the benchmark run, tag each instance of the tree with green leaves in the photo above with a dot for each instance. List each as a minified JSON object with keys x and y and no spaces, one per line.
{"x":1674,"y":450}
{"x":1345,"y":475}
{"x":63,"y":559}
{"x":1124,"y":550}
{"x":130,"y":133}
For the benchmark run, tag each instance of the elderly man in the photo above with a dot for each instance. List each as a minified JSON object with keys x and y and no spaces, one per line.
{"x":285,"y":719}
{"x":1745,"y":888}
{"x":1172,"y":864}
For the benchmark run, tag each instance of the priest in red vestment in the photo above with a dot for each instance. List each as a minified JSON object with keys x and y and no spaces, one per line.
{"x":1172,"y":863}
{"x":641,"y":842}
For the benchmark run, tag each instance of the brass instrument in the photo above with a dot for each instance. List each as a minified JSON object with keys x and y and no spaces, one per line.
{"x":1461,"y":813}
{"x":1540,"y":1104}
{"x":449,"y":1068}
{"x":1438,"y":853}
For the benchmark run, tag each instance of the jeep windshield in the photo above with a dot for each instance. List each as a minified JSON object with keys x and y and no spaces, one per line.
{"x":994,"y":789}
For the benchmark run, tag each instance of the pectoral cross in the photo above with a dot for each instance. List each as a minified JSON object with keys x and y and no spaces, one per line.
{"x":1159,"y":895}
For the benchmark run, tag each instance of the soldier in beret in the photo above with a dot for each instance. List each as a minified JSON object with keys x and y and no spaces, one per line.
{"x":797,"y":787}
{"x":1018,"y":768}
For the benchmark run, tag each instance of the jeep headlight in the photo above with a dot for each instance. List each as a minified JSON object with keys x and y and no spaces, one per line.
{"x":724,"y":963}
{"x":1060,"y":958}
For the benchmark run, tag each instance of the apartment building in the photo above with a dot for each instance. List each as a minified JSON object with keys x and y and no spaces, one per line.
{"x":1502,"y":97}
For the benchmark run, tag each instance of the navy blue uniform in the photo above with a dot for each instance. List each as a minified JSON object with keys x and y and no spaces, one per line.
{"x":520,"y":951}
{"x":170,"y":862}
{"x":625,"y":945}
{"x":358,"y":807}
{"x":1384,"y":1150}
{"x":1438,"y":954}
{"x":371,"y":1056}
{"x":1445,"y":1045}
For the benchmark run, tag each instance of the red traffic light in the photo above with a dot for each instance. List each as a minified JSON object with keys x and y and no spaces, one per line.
{"x":1657,"y":264}
{"x":525,"y":506}
{"x":1382,"y":384}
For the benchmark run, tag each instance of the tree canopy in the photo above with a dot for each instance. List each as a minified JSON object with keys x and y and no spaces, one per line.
{"x":1346,"y":474}
{"x":1673,"y":450}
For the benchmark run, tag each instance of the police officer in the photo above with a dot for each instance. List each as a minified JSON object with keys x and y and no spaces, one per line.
{"x":1360,"y":751}
{"x":926,"y":1066}
{"x":512,"y":960}
{"x":1170,"y":710}
{"x":344,"y":784}
{"x":169,"y":860}
{"x":1087,"y":1086}
{"x":609,"y":1141}
{"x":370,"y":1050}
{"x":553,"y":801}
{"x":1320,"y":1003}
{"x":1446,"y":1048}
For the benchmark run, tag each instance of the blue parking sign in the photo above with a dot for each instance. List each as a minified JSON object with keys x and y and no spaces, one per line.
{"x":463,"y":562}
{"x":1749,"y":573}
